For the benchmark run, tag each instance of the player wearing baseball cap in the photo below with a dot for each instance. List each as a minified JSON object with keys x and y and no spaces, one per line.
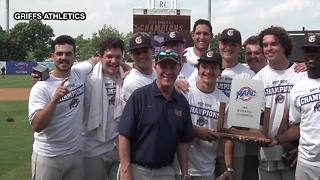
{"x":304,"y":113}
{"x":204,"y":98}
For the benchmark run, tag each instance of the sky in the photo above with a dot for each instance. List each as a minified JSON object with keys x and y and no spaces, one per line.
{"x":248,"y":16}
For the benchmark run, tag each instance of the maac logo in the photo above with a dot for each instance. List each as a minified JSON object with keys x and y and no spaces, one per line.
{"x":138,"y":40}
{"x":172,"y":35}
{"x":246,"y":93}
{"x":312,"y":38}
{"x":230,"y":32}
{"x":316,"y":107}
{"x":280,"y":99}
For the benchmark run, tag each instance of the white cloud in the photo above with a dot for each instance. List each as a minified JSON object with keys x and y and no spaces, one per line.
{"x":233,"y":6}
{"x":246,"y":15}
{"x":284,"y":8}
{"x":316,"y":14}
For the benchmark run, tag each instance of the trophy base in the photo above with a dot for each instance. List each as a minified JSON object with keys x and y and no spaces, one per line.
{"x":244,"y":135}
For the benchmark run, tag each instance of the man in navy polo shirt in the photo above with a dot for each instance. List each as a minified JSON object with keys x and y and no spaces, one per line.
{"x":155,"y":125}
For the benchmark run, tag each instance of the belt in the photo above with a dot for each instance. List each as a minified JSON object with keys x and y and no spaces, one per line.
{"x":149,"y":166}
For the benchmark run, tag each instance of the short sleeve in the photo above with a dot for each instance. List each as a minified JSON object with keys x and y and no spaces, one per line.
{"x":37,"y":100}
{"x":294,"y":110}
{"x":187,"y":134}
{"x":127,"y":124}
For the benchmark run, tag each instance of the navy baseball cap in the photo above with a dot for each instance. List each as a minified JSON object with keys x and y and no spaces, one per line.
{"x":210,"y":57}
{"x":173,"y":37}
{"x":171,"y":55}
{"x":311,"y":40}
{"x":140,"y":40}
{"x":231,"y":34}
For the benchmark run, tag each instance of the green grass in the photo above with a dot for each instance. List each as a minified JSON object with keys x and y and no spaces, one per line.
{"x":16,"y":141}
{"x":16,"y":81}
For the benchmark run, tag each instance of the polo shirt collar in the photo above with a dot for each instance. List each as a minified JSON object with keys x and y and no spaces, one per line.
{"x":157,"y":92}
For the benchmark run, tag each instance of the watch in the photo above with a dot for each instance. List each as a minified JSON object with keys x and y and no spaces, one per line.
{"x":184,"y":176}
{"x":230,"y":170}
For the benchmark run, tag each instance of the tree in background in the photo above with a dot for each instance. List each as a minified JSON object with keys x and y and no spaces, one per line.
{"x":30,"y":41}
{"x":84,"y":48}
{"x":39,"y":40}
{"x":26,"y":41}
{"x":3,"y":44}
{"x":89,"y":47}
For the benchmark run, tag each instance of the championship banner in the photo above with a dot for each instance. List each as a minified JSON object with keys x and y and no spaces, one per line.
{"x":157,"y":25}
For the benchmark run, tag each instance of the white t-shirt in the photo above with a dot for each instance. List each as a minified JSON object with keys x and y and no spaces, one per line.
{"x":305,"y":109}
{"x":63,"y":135}
{"x":135,"y":80}
{"x":192,"y":58}
{"x":239,"y":71}
{"x":92,"y":146}
{"x":277,"y":86}
{"x":204,"y":109}
{"x":186,"y":72}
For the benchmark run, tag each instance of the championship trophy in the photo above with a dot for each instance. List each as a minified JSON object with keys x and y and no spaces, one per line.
{"x":244,"y":113}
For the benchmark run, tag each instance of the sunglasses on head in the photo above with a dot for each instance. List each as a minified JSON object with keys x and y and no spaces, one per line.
{"x":172,"y":54}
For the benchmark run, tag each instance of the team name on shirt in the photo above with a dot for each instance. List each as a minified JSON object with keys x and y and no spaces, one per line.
{"x":277,"y":90}
{"x":224,"y":84}
{"x":75,"y":92}
{"x":111,"y":91}
{"x":204,"y":112}
{"x":309,"y":98}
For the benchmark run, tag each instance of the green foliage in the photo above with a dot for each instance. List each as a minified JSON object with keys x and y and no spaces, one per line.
{"x":84,"y":49}
{"x":4,"y":38}
{"x":87,"y":48}
{"x":27,"y":40}
{"x":214,"y":45}
{"x":16,"y":81}
{"x":31,"y":41}
{"x":16,"y":141}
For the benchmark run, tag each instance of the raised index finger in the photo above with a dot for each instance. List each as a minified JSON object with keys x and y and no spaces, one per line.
{"x":64,"y":81}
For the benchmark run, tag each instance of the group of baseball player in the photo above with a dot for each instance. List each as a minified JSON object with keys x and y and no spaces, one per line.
{"x":103,"y":120}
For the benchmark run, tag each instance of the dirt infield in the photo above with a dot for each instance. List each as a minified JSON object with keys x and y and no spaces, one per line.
{"x":14,"y":94}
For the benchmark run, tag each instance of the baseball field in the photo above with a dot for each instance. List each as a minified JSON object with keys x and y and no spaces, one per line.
{"x":16,"y":136}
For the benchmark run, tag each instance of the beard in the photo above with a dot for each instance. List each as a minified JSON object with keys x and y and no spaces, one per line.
{"x":65,"y":63}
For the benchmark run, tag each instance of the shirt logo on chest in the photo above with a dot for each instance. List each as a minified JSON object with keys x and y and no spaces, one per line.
{"x":178,"y":112}
{"x":74,"y":103}
{"x":280,"y":99}
{"x":317,"y":107}
{"x":202,"y":121}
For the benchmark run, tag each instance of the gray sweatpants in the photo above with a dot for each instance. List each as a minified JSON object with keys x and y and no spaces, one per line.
{"x":98,"y":169}
{"x":68,"y":167}
{"x":286,"y":174}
